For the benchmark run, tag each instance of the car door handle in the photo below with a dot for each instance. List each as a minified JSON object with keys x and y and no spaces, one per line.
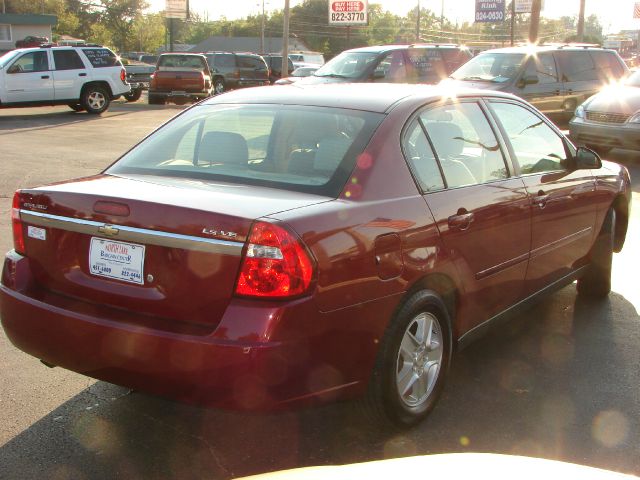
{"x":462,"y":220}
{"x":557,"y":92}
{"x":82,"y":74}
{"x":541,"y":199}
{"x":44,"y":77}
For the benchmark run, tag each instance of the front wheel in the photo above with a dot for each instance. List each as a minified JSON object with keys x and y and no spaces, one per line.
{"x":412,"y":364}
{"x":596,"y":283}
{"x":95,"y":99}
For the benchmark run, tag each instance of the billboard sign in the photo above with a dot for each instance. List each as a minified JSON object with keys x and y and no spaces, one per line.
{"x":524,"y":6}
{"x":176,"y":9}
{"x":348,"y":12}
{"x":490,"y":11}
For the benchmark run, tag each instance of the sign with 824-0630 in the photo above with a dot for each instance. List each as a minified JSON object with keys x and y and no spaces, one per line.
{"x":490,"y":11}
{"x":348,"y":12}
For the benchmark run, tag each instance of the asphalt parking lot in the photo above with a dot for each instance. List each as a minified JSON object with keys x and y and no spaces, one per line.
{"x":560,"y":382}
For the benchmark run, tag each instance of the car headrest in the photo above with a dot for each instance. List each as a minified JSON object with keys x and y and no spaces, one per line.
{"x":227,"y":148}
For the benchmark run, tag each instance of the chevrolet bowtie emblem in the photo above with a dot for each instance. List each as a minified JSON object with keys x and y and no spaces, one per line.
{"x":108,"y":230}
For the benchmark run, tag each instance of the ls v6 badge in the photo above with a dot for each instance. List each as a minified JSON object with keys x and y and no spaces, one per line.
{"x":218,"y":233}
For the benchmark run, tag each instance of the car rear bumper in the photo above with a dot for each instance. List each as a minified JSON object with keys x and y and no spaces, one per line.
{"x":605,"y":135}
{"x":248,"y":372}
{"x":179,"y":94}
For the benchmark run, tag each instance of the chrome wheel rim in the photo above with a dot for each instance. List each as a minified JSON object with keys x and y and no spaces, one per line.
{"x":219,"y":87}
{"x":96,"y":100}
{"x":419,"y":359}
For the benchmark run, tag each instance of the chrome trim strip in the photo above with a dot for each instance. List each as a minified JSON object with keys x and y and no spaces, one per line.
{"x":131,"y":234}
{"x":562,"y":242}
{"x":502,"y":266}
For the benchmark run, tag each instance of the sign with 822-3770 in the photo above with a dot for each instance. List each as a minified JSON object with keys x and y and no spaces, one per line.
{"x":490,"y":11}
{"x":348,"y":12}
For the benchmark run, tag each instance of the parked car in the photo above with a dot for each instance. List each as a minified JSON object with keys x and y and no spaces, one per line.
{"x":610,"y":118}
{"x":555,"y":79}
{"x":274,"y":62}
{"x":297,"y":74}
{"x":180,"y":78}
{"x":284,"y":246}
{"x":392,"y":64}
{"x":148,"y":59}
{"x":139,"y":77}
{"x":309,"y":58}
{"x":31,"y":41}
{"x":85,"y":78}
{"x":237,"y":70}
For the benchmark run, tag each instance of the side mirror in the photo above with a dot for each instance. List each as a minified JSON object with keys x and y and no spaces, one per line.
{"x":587,"y":159}
{"x":528,"y":80}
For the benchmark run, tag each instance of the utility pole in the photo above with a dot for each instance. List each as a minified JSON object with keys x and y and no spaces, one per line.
{"x":285,"y":40}
{"x":418,"y":23}
{"x":535,"y":21}
{"x":513,"y":21}
{"x":262,"y":30}
{"x":581,"y":21}
{"x":442,"y":21}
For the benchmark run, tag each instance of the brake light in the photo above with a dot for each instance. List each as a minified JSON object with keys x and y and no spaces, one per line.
{"x":123,"y":75}
{"x":16,"y":224}
{"x":276,"y":264}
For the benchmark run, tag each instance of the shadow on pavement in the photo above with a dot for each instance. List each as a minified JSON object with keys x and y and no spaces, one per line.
{"x":559,"y":382}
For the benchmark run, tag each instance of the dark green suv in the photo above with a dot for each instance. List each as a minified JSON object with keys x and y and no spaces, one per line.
{"x":236,"y":70}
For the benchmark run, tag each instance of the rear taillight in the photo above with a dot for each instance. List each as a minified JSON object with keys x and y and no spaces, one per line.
{"x":16,"y":224}
{"x":276,"y":264}
{"x":123,"y":75}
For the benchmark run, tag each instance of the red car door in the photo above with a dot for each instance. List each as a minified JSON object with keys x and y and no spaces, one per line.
{"x":482,"y":212}
{"x":563,"y":202}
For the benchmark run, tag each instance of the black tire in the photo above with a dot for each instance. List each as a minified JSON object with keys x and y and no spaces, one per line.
{"x":155,"y":100}
{"x":133,"y":96}
{"x":95,"y":99}
{"x":384,"y":403}
{"x":596,"y":282}
{"x":219,"y":86}
{"x":76,"y":107}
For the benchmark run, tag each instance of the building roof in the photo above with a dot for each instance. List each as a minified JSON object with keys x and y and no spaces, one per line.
{"x":247,"y":44}
{"x":30,"y":19}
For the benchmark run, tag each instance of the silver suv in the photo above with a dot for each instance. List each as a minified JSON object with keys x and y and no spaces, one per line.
{"x":85,"y":78}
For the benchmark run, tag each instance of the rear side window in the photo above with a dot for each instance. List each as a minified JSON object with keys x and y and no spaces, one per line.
{"x":225,"y":61}
{"x":101,"y":57}
{"x":422,"y":159}
{"x":537,"y":147}
{"x":576,"y":66}
{"x":300,"y":148}
{"x":427,"y":65}
{"x":67,"y":60}
{"x":465,"y":144}
{"x":607,"y":65}
{"x":254,"y":63}
{"x":392,"y":68}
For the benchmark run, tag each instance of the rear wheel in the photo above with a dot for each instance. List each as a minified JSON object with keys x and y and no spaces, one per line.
{"x":95,"y":99}
{"x":218,"y":86}
{"x":134,"y":95}
{"x":596,"y":283}
{"x":412,"y":363}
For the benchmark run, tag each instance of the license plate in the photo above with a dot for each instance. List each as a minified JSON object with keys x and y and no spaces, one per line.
{"x":178,"y":93}
{"x":119,"y":260}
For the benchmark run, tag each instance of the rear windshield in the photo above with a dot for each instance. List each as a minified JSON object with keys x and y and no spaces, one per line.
{"x":101,"y":57}
{"x":181,"y":61}
{"x":300,"y":148}
{"x":491,"y":67}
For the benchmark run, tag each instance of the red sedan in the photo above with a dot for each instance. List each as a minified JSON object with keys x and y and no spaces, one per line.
{"x":275,"y":247}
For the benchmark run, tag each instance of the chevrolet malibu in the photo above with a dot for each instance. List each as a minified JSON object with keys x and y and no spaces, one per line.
{"x":276,"y":247}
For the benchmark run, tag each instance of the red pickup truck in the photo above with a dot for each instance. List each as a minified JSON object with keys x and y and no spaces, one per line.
{"x":180,"y":78}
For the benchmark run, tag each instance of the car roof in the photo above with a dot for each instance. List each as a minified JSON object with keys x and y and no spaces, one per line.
{"x":531,"y":49}
{"x":373,"y":97}
{"x":389,"y":48}
{"x":183,"y":53}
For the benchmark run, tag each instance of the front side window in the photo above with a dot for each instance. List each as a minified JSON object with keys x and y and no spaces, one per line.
{"x":392,"y":68}
{"x":491,"y":67}
{"x":298,"y":148}
{"x":536,"y":146}
{"x":465,"y":144}
{"x":542,"y":66}
{"x":30,"y":62}
{"x":67,"y":60}
{"x":421,"y":158}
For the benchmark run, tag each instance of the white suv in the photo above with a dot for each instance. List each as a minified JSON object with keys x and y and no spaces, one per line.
{"x":85,"y":78}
